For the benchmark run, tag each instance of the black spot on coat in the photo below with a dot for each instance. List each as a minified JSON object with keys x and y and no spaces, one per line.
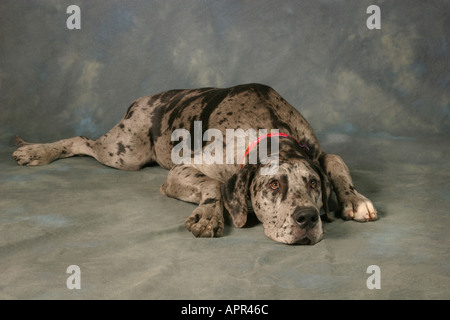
{"x":130,"y":112}
{"x":209,"y":201}
{"x":120,"y":148}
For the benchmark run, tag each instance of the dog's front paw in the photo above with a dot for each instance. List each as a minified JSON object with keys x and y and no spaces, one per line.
{"x":359,"y":208}
{"x":205,"y":222}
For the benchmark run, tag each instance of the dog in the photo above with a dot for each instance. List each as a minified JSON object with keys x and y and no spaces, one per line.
{"x":287,"y":200}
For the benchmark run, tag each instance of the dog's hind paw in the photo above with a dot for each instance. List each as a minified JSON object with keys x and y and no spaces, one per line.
{"x":32,"y":154}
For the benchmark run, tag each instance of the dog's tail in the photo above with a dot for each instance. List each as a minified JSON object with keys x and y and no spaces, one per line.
{"x":20,"y":142}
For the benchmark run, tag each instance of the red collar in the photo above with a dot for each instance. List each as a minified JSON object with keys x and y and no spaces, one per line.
{"x":268,"y":135}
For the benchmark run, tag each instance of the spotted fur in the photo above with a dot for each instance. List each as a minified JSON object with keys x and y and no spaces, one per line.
{"x":289,"y":214}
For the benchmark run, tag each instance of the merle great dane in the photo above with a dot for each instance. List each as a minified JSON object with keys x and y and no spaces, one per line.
{"x":288,"y":202}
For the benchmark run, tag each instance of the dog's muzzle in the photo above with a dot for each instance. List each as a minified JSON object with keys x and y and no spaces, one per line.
{"x":306,"y":218}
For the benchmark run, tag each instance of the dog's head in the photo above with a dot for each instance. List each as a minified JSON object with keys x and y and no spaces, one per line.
{"x":287,"y":203}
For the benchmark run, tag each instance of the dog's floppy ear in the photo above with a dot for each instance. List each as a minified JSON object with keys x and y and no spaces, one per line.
{"x":235,"y":194}
{"x":326,"y":190}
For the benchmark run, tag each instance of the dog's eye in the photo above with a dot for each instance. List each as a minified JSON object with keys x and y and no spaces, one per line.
{"x":313,"y":184}
{"x":275,"y":184}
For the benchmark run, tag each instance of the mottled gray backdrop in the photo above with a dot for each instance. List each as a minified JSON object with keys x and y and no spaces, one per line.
{"x":378,"y":98}
{"x":393,"y":82}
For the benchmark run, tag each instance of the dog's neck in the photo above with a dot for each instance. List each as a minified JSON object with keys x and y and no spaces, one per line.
{"x":288,"y":147}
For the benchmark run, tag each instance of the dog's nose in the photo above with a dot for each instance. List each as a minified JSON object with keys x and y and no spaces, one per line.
{"x":306,"y":217}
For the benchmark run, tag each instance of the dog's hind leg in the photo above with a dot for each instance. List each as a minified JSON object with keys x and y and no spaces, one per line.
{"x":35,"y":154}
{"x":127,"y":146}
{"x":113,"y":150}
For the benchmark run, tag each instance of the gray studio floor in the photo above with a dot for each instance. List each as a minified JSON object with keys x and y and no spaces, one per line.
{"x":129,"y":242}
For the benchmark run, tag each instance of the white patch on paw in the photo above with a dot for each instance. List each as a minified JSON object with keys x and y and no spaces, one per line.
{"x":359,"y":208}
